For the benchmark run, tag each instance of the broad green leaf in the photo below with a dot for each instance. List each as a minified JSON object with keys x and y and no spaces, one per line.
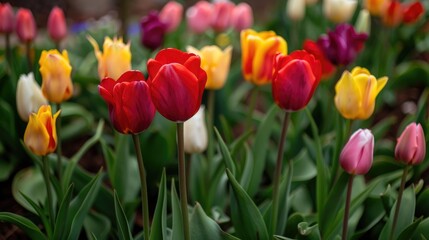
{"x":98,"y":225}
{"x":304,"y":168}
{"x":246,"y":217}
{"x":159,"y":222}
{"x":246,"y":175}
{"x":6,"y":167}
{"x":284,"y":198}
{"x":121,"y":220}
{"x":41,"y":214}
{"x":229,"y":163}
{"x":408,"y":232}
{"x":422,"y":230}
{"x":78,"y":120}
{"x":24,"y":224}
{"x":177,"y":227}
{"x":61,"y":224}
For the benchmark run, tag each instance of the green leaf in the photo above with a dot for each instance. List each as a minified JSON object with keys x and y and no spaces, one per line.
{"x":225,"y":152}
{"x":81,"y":204}
{"x":260,"y":147}
{"x":246,"y":217}
{"x":422,"y":230}
{"x":42,"y":215}
{"x":246,"y":175}
{"x":61,"y":228}
{"x":159,"y":222}
{"x":24,"y":224}
{"x":304,"y":168}
{"x":78,"y":120}
{"x":97,"y":225}
{"x":121,"y":220}
{"x":203,"y":227}
{"x":408,"y":232}
{"x":177,"y":227}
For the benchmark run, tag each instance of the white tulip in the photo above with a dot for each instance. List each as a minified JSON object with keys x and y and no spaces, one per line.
{"x":195,"y":133}
{"x":295,"y":9}
{"x":29,"y":96}
{"x":339,"y":11}
{"x":363,"y":22}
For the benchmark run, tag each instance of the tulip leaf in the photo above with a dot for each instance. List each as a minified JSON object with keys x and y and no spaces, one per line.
{"x":177,"y":227}
{"x":159,"y":222}
{"x":260,"y":149}
{"x":246,"y":217}
{"x":246,"y":175}
{"x":409,"y":231}
{"x":97,"y":225}
{"x":422,"y":230}
{"x":121,"y":220}
{"x":229,"y":163}
{"x":78,"y":118}
{"x":24,"y":224}
{"x":61,"y":227}
{"x":42,"y":215}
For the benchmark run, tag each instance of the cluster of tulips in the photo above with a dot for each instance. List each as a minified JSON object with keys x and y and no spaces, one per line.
{"x":173,"y":85}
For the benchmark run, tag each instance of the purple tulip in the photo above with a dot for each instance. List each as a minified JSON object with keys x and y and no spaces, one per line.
{"x":342,"y":45}
{"x":411,"y":145}
{"x":153,"y":30}
{"x":357,"y":154}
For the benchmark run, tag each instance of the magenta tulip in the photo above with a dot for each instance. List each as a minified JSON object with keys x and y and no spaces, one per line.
{"x":6,"y":18}
{"x":57,"y":27}
{"x":411,"y":145}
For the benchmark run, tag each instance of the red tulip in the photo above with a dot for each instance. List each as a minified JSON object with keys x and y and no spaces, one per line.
{"x":6,"y":18}
{"x":57,"y":27}
{"x":296,"y":77}
{"x":393,"y":14}
{"x":357,"y":155}
{"x":176,"y":83}
{"x":130,"y":107}
{"x":25,"y":25}
{"x":411,"y":145}
{"x":222,"y":15}
{"x":327,"y":67}
{"x":413,"y":12}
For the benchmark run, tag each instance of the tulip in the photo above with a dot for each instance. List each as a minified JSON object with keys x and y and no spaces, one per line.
{"x":57,"y":27}
{"x":6,"y":18}
{"x":195,"y":133}
{"x":413,"y":12}
{"x":29,"y":96}
{"x":199,"y":16}
{"x":356,"y":93}
{"x":171,"y":15}
{"x":376,"y":7}
{"x":56,"y":80}
{"x":25,"y":25}
{"x":295,"y":9}
{"x":216,"y":64}
{"x":176,"y":83}
{"x":222,"y":15}
{"x":295,"y":79}
{"x":363,"y":22}
{"x":152,"y":30}
{"x":411,"y":145}
{"x":342,"y":45}
{"x":242,"y":17}
{"x":40,"y":135}
{"x":115,"y":58}
{"x":130,"y":107}
{"x":258,"y":51}
{"x":356,"y":156}
{"x":393,"y":14}
{"x":339,"y":11}
{"x":327,"y":67}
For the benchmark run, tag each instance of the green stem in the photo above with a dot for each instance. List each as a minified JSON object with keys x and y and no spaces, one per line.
{"x":143,"y":192}
{"x":252,"y":104}
{"x":48,"y":189}
{"x":123,"y":16}
{"x":59,"y":145}
{"x":277,"y":174}
{"x":210,"y":123}
{"x":57,"y":45}
{"x":347,"y":208}
{"x":8,"y":50}
{"x":28,"y":54}
{"x":182,"y":180}
{"x":398,"y":203}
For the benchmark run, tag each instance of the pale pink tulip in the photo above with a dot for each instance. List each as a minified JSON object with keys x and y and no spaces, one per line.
{"x":242,"y":17}
{"x":25,"y":25}
{"x":171,"y":15}
{"x":199,"y":16}
{"x":57,"y":27}
{"x":222,"y":15}
{"x":6,"y":18}
{"x":411,"y":145}
{"x":357,"y":154}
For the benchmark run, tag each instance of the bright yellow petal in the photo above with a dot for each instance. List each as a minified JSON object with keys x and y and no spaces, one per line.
{"x":381,"y":82}
{"x":368,"y":86}
{"x":348,"y":96}
{"x":36,"y":138}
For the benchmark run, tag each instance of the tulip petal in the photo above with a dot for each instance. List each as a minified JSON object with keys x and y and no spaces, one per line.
{"x":106,"y":90}
{"x":130,"y":76}
{"x":347,"y":98}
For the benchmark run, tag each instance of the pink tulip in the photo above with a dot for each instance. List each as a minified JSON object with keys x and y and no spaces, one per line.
{"x":199,"y":16}
{"x":6,"y":18}
{"x":357,"y":154}
{"x":411,"y":145}
{"x":171,"y":15}
{"x":57,"y":27}
{"x":222,"y":15}
{"x":242,"y":17}
{"x":25,"y":25}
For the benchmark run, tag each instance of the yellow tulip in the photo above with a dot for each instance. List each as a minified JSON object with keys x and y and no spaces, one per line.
{"x":258,"y":51}
{"x":115,"y":58}
{"x":56,"y":80}
{"x":216,"y":64}
{"x":40,"y":135}
{"x":356,"y":93}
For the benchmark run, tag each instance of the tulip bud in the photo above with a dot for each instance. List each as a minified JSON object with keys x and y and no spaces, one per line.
{"x":393,"y":14}
{"x":242,"y":17}
{"x":339,"y":11}
{"x":40,"y":135}
{"x":6,"y":18}
{"x":57,"y":27}
{"x":25,"y":25}
{"x":295,"y":9}
{"x":152,"y":31}
{"x":29,"y":96}
{"x":413,"y":12}
{"x":222,"y":15}
{"x":411,"y":145}
{"x":199,"y":16}
{"x":357,"y":155}
{"x":363,"y":22}
{"x":171,"y":15}
{"x":195,"y":133}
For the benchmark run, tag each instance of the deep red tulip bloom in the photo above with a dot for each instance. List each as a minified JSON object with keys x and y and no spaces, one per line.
{"x":25,"y":25}
{"x":413,"y":12}
{"x":6,"y":18}
{"x":153,"y":30}
{"x":296,"y":77}
{"x":327,"y":67}
{"x":130,"y":106}
{"x":176,"y":83}
{"x":57,"y":27}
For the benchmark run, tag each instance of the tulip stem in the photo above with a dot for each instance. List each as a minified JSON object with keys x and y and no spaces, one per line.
{"x":277,"y":174}
{"x":210,"y":122}
{"x":28,"y":53}
{"x":398,"y":202}
{"x":252,"y":104}
{"x":182,"y":180}
{"x":8,"y":50}
{"x":143,"y":192}
{"x":347,"y":208}
{"x":59,"y":145}
{"x":48,"y":189}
